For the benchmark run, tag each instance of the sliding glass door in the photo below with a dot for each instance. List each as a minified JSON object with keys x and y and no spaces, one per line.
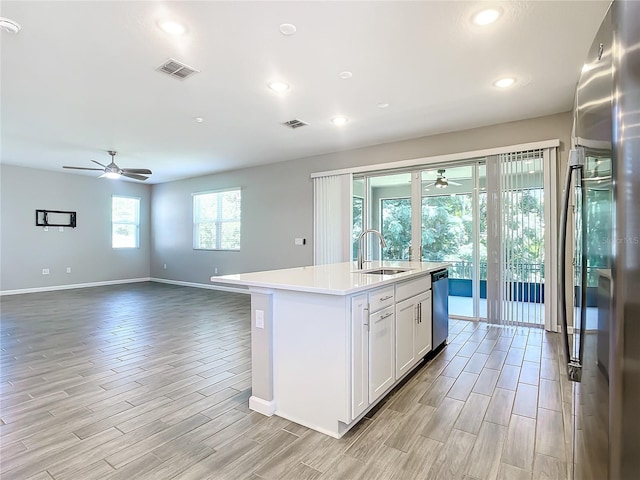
{"x":518,"y":240}
{"x":486,"y":217}
{"x":450,"y":219}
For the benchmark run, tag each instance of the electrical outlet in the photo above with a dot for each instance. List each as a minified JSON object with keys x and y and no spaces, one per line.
{"x":45,"y":271}
{"x":46,"y":229}
{"x":259,"y":318}
{"x":215,"y":271}
{"x":61,"y":229}
{"x":164,"y":266}
{"x":68,"y":269}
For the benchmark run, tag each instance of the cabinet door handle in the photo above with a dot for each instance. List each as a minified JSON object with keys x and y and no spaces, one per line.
{"x":366,"y":316}
{"x":420,"y":312}
{"x":382,"y":299}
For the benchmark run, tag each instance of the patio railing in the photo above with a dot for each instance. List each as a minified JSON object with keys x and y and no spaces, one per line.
{"x":524,"y":272}
{"x":526,"y":281}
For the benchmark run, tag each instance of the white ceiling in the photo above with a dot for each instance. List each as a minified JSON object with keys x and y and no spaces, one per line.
{"x":80,"y":78}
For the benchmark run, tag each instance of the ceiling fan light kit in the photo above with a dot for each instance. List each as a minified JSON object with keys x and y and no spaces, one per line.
{"x":441,"y":181}
{"x":113,"y":171}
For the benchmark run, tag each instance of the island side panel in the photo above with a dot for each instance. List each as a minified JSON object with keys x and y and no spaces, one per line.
{"x":261,"y":399}
{"x":311,"y":359}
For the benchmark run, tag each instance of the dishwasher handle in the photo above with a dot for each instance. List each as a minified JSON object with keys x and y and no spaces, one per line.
{"x":442,"y":274}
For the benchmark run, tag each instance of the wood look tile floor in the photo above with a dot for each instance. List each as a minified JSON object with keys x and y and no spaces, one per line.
{"x":151,"y":381}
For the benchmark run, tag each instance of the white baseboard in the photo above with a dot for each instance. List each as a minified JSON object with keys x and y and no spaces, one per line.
{"x":264,"y":407}
{"x":72,"y":286}
{"x":201,"y":285}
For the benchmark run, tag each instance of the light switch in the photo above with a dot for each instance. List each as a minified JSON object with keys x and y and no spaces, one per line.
{"x":300,"y":241}
{"x":259,"y":318}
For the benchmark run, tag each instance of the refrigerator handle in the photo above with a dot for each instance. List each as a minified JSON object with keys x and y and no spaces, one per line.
{"x":576,"y":161}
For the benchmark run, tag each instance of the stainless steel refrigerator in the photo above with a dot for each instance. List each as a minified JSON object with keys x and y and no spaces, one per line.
{"x":601,"y":214}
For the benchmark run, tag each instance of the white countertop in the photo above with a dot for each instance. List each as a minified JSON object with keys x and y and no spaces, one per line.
{"x":332,"y":279}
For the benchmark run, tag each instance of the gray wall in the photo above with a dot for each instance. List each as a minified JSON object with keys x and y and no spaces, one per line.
{"x":276,"y":208}
{"x":26,"y":249}
{"x":277,"y":203}
{"x":277,"y":200}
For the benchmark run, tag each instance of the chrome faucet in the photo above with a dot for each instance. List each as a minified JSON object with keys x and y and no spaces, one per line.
{"x":360,"y":245}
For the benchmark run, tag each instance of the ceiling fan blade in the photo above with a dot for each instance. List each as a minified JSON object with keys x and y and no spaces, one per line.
{"x":451,"y":182}
{"x":134,"y":176}
{"x":430,"y":185}
{"x":144,"y":171}
{"x":103,"y":166}
{"x":83,"y":168}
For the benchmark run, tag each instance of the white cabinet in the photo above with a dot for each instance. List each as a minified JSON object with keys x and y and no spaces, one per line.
{"x":372,"y":347}
{"x":423,"y":330}
{"x":406,"y":321}
{"x":381,"y":358}
{"x":359,"y":355}
{"x":413,"y":326}
{"x":390,"y":334}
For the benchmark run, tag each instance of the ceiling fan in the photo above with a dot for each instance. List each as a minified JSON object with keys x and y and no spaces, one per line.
{"x":114,"y":171}
{"x":442,"y":181}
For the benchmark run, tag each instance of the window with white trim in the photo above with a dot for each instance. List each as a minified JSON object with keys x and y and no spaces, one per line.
{"x":125,"y":222}
{"x":217,"y":220}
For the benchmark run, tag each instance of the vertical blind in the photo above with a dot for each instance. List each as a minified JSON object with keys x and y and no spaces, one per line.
{"x":332,"y":219}
{"x":515,"y":186}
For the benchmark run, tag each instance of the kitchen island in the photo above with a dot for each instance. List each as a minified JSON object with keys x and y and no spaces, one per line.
{"x":328,"y":342}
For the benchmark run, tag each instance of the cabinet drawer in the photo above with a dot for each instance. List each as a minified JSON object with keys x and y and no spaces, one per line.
{"x":381,"y":298}
{"x":381,"y":315}
{"x":411,"y":288}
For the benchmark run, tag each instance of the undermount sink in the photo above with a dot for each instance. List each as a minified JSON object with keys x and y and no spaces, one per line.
{"x":387,"y":271}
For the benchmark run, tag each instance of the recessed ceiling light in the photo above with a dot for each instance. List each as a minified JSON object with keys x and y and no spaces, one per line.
{"x":486,"y":17}
{"x":288,"y":29}
{"x":339,"y":120}
{"x":383,"y":105}
{"x":198,"y":119}
{"x":9,"y":25}
{"x":345,"y":75}
{"x":504,"y":82}
{"x":279,"y":86}
{"x":172,"y":28}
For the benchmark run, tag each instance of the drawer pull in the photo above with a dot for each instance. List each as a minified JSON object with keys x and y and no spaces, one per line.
{"x":386,"y":315}
{"x":382,"y":299}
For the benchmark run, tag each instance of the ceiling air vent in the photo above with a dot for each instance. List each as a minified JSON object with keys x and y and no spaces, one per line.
{"x":295,"y":123}
{"x":176,"y":69}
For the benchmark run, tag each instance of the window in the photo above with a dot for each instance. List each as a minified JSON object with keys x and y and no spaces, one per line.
{"x":216,"y":220}
{"x":358,"y":224}
{"x":125,"y":222}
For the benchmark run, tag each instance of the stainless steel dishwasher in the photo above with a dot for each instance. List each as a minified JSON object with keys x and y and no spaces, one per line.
{"x":440,"y":288}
